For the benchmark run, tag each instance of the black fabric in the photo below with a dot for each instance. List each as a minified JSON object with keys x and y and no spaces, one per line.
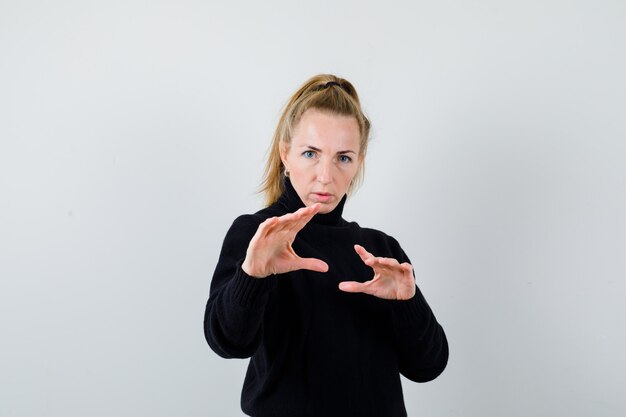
{"x":315,"y":350}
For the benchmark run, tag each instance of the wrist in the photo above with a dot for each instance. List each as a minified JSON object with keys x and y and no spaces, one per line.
{"x":250,"y":270}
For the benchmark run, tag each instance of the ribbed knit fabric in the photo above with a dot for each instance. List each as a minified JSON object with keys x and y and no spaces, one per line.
{"x":315,"y":350}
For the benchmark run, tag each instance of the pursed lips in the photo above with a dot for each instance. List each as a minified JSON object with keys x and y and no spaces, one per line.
{"x":322,"y":196}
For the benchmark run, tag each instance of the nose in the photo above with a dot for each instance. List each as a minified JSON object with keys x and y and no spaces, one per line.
{"x":324,"y":171}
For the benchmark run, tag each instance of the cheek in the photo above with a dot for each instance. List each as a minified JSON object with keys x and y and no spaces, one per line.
{"x":304,"y":167}
{"x":346,"y":176}
{"x":351,"y":171}
{"x":302,"y":173}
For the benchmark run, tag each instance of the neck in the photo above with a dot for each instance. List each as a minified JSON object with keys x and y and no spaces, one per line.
{"x":292,"y":202}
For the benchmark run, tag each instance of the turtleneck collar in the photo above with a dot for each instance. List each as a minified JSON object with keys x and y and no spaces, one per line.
{"x":292,"y":202}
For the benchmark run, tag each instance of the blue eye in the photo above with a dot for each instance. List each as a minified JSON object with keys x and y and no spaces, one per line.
{"x":344,"y":159}
{"x":308,"y":154}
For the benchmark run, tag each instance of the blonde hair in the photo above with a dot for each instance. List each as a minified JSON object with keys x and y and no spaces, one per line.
{"x":324,"y":92}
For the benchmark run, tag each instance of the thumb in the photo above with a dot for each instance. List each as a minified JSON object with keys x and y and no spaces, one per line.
{"x":352,"y":286}
{"x":313,"y":264}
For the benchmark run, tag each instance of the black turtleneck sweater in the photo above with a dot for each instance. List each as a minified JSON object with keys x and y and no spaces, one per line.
{"x":316,"y":350}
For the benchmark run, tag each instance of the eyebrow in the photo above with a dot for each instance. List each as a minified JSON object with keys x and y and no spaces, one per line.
{"x":313,"y":148}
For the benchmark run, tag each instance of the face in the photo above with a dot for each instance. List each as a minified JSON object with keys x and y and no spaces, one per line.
{"x":323,"y":157}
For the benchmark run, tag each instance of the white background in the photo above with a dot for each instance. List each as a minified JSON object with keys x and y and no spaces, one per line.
{"x":133,"y":132}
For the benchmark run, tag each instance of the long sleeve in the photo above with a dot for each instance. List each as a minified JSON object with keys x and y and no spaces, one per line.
{"x":234,"y":312}
{"x":421,"y":342}
{"x":314,"y":349}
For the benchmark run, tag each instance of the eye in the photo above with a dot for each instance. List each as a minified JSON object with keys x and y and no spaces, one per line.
{"x":345,"y":159}
{"x":308,"y":154}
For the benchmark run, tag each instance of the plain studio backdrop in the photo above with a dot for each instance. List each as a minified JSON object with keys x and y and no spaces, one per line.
{"x":134,"y":132}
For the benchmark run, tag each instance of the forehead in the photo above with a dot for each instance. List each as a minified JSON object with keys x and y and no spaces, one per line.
{"x":327,"y":131}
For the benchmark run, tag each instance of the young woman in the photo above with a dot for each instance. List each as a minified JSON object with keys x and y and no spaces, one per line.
{"x":328,"y":311}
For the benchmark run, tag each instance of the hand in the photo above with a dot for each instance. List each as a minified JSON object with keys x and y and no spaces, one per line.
{"x":270,"y":251}
{"x":392,"y":280}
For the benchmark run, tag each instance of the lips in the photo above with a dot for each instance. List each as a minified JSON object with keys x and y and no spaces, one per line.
{"x":322,"y":197}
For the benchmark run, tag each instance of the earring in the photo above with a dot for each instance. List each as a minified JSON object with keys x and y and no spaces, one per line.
{"x":286,"y":173}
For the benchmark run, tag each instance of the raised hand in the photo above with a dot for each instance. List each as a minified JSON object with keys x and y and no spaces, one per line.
{"x":270,"y":252}
{"x":392,"y":280}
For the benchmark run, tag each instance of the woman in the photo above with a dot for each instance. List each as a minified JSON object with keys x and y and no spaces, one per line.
{"x":327,"y":310}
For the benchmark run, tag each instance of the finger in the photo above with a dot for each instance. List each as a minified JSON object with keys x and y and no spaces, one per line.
{"x":291,"y":223}
{"x":309,"y":212}
{"x":377,"y":264}
{"x":407,"y":267}
{"x":403,"y":268}
{"x":290,"y":219}
{"x":266,"y":227}
{"x":364,"y":254}
{"x":352,"y":286}
{"x":369,"y":259}
{"x":312,"y":264}
{"x":389,"y":263}
{"x":305,"y":215}
{"x":286,"y":222}
{"x":313,"y":208}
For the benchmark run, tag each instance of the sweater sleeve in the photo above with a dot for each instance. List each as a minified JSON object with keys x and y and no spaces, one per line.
{"x":234,"y":312}
{"x":421,"y":342}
